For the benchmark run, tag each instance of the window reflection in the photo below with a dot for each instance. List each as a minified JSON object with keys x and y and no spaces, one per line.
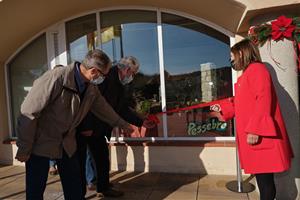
{"x":196,"y":65}
{"x":134,"y":33}
{"x":81,"y":37}
{"x":24,"y":68}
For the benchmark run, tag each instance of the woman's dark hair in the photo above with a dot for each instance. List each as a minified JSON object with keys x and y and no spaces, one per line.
{"x":245,"y":52}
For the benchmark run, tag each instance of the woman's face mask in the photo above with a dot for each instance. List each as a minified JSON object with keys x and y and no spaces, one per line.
{"x":232,"y":61}
{"x":98,"y":80}
{"x":232,"y":64}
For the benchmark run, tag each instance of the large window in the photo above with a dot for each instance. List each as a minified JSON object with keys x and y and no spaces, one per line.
{"x":23,"y":69}
{"x":134,"y":33}
{"x":196,"y":71}
{"x":196,"y":67}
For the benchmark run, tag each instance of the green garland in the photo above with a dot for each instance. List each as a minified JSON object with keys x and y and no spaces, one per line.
{"x":279,"y":29}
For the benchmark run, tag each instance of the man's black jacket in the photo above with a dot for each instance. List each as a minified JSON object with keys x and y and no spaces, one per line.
{"x":115,"y":94}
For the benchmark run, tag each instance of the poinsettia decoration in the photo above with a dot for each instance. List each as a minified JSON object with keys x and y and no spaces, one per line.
{"x":279,"y":29}
{"x":282,"y":28}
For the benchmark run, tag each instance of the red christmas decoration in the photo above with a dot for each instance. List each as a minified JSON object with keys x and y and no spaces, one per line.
{"x":153,"y":118}
{"x":282,"y":28}
{"x":279,"y":29}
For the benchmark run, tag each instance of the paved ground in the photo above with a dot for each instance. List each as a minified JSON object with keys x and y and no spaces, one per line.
{"x":136,"y":185}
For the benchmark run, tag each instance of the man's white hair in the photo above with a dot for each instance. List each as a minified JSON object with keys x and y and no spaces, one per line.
{"x":128,"y":61}
{"x":96,"y":58}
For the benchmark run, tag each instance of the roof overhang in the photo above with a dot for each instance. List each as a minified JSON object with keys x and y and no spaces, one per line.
{"x":258,"y":16}
{"x":22,"y":20}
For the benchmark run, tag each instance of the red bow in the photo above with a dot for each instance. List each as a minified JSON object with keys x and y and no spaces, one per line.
{"x":153,"y":118}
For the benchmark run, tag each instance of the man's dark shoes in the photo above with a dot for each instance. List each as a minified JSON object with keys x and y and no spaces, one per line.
{"x":110,"y":185}
{"x":110,"y":192}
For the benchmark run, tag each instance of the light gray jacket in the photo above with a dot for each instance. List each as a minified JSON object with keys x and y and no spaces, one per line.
{"x":52,"y":110}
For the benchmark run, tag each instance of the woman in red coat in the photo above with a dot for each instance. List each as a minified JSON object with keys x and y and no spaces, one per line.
{"x":262,"y":140}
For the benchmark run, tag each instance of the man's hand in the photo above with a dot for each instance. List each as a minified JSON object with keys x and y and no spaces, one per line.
{"x":86,"y":133}
{"x":252,"y":139}
{"x":22,"y":158}
{"x":127,"y":129}
{"x":148,"y":124}
{"x":215,"y":108}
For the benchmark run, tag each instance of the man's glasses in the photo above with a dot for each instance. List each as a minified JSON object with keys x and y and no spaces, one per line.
{"x":100,"y":72}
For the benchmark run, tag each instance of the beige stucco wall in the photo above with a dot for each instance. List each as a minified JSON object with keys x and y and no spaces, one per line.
{"x":203,"y":160}
{"x":259,"y":4}
{"x":32,"y":16}
{"x":200,"y":160}
{"x":285,"y":79}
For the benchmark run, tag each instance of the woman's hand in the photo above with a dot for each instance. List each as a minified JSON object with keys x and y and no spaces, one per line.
{"x":126,"y":130}
{"x":252,"y":138}
{"x":215,"y":108}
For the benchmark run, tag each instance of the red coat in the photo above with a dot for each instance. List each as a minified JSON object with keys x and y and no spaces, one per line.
{"x":256,"y":110}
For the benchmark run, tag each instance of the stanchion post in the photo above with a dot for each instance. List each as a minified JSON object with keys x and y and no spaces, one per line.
{"x":239,"y":185}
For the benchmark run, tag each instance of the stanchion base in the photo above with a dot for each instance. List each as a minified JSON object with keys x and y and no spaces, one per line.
{"x":246,"y":187}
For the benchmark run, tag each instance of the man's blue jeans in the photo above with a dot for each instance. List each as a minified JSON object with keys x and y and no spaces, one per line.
{"x":89,"y":168}
{"x":52,"y":163}
{"x":37,"y":173}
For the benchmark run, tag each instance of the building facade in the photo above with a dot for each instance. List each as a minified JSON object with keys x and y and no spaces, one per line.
{"x":184,"y":51}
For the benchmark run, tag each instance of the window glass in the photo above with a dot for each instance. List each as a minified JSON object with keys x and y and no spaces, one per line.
{"x":196,"y":71}
{"x":134,"y":33}
{"x":81,"y":35}
{"x":23,"y":69}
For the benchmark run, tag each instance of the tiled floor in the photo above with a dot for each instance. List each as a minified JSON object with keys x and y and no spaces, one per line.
{"x":136,"y":185}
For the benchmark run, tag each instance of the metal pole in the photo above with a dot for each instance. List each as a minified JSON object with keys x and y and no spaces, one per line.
{"x":121,"y":42}
{"x":114,"y":49}
{"x":239,"y":173}
{"x":239,"y":185}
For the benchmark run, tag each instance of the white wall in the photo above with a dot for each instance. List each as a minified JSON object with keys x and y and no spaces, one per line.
{"x":203,"y":160}
{"x":285,"y":79}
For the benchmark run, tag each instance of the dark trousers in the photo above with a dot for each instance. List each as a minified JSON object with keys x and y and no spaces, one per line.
{"x":266,"y":186}
{"x":37,"y":174}
{"x":100,"y":153}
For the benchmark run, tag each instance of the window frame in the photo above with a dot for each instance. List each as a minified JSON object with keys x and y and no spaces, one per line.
{"x":60,"y":28}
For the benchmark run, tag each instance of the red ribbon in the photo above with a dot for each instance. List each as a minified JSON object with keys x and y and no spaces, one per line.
{"x":154,"y":118}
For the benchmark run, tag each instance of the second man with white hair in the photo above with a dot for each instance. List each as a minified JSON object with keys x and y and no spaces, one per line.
{"x":94,"y":131}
